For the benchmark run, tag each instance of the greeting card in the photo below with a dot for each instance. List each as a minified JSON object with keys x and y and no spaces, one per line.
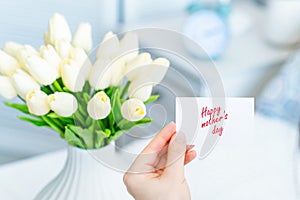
{"x":205,"y":121}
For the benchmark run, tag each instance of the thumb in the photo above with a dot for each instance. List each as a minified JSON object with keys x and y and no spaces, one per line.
{"x":175,"y":159}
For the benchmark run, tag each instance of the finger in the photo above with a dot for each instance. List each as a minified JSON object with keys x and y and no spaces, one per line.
{"x":189,"y":156}
{"x":175,"y":158}
{"x":161,"y":139}
{"x":189,"y":147}
{"x":147,"y":160}
{"x":161,"y":162}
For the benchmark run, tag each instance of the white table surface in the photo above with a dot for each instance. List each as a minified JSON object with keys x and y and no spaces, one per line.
{"x":264,"y":170}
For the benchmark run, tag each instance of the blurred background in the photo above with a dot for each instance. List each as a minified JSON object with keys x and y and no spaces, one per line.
{"x":253,"y":43}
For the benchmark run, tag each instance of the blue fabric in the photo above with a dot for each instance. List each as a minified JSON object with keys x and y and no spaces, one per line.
{"x":281,"y":97}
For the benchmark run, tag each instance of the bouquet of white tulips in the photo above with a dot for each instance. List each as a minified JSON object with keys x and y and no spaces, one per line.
{"x":88,"y":103}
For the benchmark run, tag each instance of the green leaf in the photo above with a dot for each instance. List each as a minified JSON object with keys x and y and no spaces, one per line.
{"x":53,"y":125}
{"x":36,"y":122}
{"x":73,"y":139}
{"x":116,"y":105}
{"x":86,"y":87}
{"x":143,"y":121}
{"x":86,"y":136}
{"x":151,"y":99}
{"x":115,"y":136}
{"x":125,"y":89}
{"x":86,"y":97}
{"x":126,"y":125}
{"x":21,"y":107}
{"x":100,"y":139}
{"x":67,"y":120}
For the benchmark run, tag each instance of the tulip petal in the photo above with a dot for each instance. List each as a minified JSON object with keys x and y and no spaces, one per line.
{"x":83,"y":37}
{"x":37,"y":102}
{"x":62,"y":103}
{"x":7,"y":89}
{"x":133,"y":110}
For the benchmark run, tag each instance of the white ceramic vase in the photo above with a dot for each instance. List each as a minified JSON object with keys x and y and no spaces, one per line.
{"x":84,"y":178}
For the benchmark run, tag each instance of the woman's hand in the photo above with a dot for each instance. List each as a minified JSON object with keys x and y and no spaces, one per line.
{"x":158,"y":172}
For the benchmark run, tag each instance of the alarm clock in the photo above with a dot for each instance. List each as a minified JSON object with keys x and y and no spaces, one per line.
{"x":207,"y":28}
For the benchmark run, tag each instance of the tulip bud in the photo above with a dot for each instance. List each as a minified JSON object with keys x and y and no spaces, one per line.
{"x":63,"y":48}
{"x":83,"y":37}
{"x":99,"y":106}
{"x":58,"y":29}
{"x":7,"y":89}
{"x":12,"y":48}
{"x":25,"y":52}
{"x":129,"y":46}
{"x":133,"y":110}
{"x":71,"y":75}
{"x":62,"y":103}
{"x":23,"y":83}
{"x":37,"y":102}
{"x":100,"y":76}
{"x":8,"y":64}
{"x":141,"y":60}
{"x":50,"y":55}
{"x":109,"y":47}
{"x":142,"y":93}
{"x":40,"y":70}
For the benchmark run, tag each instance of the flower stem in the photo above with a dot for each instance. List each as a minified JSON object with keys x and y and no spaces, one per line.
{"x":57,"y":86}
{"x":53,"y":125}
{"x":125,"y":89}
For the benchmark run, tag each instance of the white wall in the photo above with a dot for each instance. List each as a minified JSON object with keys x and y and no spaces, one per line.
{"x":25,"y":21}
{"x":138,"y":10}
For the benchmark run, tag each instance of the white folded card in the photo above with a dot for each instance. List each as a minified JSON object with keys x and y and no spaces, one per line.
{"x":205,"y":121}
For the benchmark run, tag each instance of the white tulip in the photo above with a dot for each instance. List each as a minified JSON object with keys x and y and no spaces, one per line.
{"x":23,"y":83}
{"x":7,"y":90}
{"x":62,"y":103}
{"x":132,"y":72}
{"x":79,"y":56}
{"x":12,"y":48}
{"x":100,"y":76}
{"x":83,"y":37}
{"x":37,"y":102}
{"x":117,"y":68}
{"x":50,"y":55}
{"x":58,"y":29}
{"x":109,"y":47}
{"x":41,"y":70}
{"x":72,"y":75}
{"x":63,"y":48}
{"x":46,"y":38}
{"x":158,"y":70}
{"x":151,"y":73}
{"x":133,"y":110}
{"x":129,"y":46}
{"x":107,"y":73}
{"x":8,"y":64}
{"x":142,"y":93}
{"x":99,"y":106}
{"x":23,"y":53}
